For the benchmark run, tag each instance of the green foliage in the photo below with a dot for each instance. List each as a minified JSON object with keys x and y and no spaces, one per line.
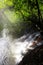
{"x":2,"y":5}
{"x":1,"y":27}
{"x":23,"y":13}
{"x":25,"y":7}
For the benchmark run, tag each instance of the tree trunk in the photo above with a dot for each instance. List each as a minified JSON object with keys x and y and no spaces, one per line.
{"x":39,"y":14}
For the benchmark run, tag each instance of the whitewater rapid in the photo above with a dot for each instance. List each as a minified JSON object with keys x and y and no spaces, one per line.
{"x":11,"y":51}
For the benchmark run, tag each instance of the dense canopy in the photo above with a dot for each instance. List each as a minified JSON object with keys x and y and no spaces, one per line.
{"x":23,"y":14}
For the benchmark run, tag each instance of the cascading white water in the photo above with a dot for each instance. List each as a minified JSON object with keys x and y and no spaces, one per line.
{"x":4,"y":47}
{"x":11,"y":51}
{"x":22,"y":45}
{"x":4,"y":33}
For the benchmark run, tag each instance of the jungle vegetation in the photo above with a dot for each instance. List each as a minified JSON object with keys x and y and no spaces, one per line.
{"x":23,"y":15}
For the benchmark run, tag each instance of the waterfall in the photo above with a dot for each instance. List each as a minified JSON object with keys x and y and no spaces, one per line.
{"x":4,"y":46}
{"x":13,"y":51}
{"x":4,"y":33}
{"x":21,"y":45}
